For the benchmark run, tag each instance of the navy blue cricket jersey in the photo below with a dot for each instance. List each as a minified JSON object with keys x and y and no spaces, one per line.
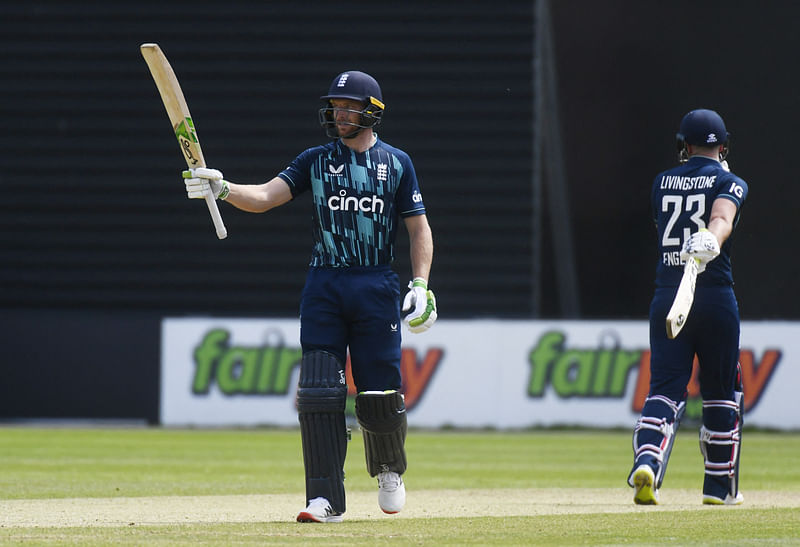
{"x":357,"y":200}
{"x":681,"y":200}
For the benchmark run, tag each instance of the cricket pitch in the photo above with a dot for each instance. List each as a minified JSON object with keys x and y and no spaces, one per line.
{"x":169,"y":510}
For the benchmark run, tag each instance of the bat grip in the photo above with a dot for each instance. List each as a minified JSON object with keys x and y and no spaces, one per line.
{"x":222,"y":232}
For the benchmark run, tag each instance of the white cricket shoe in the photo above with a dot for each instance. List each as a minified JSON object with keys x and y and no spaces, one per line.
{"x":319,"y":510}
{"x":729,"y":500}
{"x":644,"y":483}
{"x":391,"y":492}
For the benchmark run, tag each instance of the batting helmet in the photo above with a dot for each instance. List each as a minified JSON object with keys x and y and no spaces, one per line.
{"x":702,"y":127}
{"x":357,"y":86}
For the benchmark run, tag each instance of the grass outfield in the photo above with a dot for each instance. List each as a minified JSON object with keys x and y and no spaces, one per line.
{"x":97,"y":486}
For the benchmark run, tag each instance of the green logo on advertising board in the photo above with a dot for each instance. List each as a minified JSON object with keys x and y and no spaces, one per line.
{"x":591,"y":372}
{"x":242,"y":370}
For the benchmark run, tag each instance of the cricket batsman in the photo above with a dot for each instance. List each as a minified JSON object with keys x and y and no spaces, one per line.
{"x":696,"y":207}
{"x":361,"y":187}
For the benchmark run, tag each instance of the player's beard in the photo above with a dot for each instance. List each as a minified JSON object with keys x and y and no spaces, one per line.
{"x":354,"y":130}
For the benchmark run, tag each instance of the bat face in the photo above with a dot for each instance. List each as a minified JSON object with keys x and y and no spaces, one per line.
{"x":175,"y":104}
{"x":180,"y":118}
{"x":684,"y":298}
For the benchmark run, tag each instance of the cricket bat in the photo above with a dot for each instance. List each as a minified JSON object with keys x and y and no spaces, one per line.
{"x":684,"y":298}
{"x":181,"y":119}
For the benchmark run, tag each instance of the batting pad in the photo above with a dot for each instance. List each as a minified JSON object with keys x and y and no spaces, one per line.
{"x":382,"y":416}
{"x":321,"y":399}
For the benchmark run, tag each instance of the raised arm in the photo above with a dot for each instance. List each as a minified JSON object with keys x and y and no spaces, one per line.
{"x":253,"y":198}
{"x":257,"y":198}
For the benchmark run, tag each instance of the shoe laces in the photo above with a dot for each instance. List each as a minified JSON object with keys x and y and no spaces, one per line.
{"x":389,"y":481}
{"x":323,"y":504}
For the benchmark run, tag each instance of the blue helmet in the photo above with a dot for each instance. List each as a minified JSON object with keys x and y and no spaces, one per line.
{"x":702,"y":127}
{"x":357,"y":86}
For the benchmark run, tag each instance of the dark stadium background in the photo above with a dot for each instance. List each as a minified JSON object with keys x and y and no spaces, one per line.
{"x":98,"y":241}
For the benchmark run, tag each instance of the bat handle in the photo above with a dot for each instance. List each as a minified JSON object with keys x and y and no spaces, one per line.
{"x":222,"y":232}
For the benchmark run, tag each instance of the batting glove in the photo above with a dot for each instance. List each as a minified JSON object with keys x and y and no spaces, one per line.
{"x":419,"y":306}
{"x":703,"y":247}
{"x":201,"y":182}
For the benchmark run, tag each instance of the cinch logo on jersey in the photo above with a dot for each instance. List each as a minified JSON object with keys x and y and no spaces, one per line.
{"x":416,"y":197}
{"x":673,"y":182}
{"x":603,"y":371}
{"x":343,"y":202}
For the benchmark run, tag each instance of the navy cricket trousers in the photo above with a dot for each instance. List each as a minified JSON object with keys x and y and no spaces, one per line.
{"x":355,"y":308}
{"x":711,"y":332}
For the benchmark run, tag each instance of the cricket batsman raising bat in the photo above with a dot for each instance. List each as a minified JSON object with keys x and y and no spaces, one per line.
{"x":363,"y":192}
{"x":181,"y":120}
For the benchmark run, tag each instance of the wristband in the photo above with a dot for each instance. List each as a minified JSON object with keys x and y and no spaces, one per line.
{"x":418,"y":282}
{"x":226,"y":189}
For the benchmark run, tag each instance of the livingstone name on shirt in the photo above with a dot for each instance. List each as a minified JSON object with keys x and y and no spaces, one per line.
{"x":672,"y":182}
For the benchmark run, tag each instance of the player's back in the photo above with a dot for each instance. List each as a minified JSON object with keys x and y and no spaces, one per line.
{"x":682,"y":198}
